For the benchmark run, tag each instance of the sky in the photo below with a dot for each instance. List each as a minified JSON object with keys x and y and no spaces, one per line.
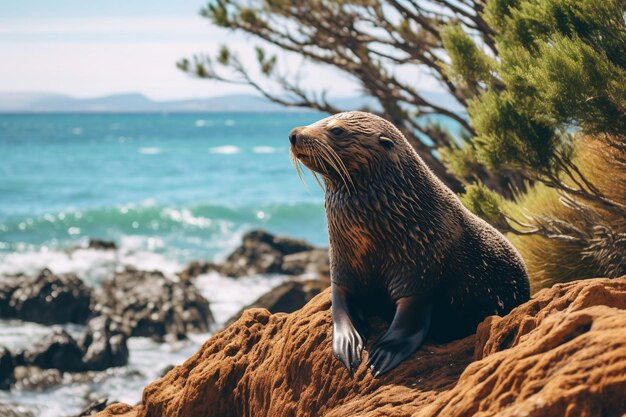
{"x":88,"y":48}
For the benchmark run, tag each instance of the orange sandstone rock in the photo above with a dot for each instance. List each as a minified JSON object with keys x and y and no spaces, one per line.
{"x":563,"y":353}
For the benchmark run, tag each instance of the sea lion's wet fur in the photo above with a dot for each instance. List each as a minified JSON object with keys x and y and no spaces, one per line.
{"x":395,"y":228}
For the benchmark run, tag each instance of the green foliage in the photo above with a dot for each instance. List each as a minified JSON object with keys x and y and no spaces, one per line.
{"x":250,"y":17}
{"x":461,"y":161}
{"x":267,"y":64}
{"x":486,"y":204}
{"x":580,"y":85}
{"x":498,"y":11}
{"x":218,"y":13}
{"x":468,"y":63}
{"x":223,"y":14}
{"x":562,"y":76}
{"x":223,"y":56}
{"x":561,"y":68}
{"x":507,"y":137}
{"x":570,"y":52}
{"x":597,"y":23}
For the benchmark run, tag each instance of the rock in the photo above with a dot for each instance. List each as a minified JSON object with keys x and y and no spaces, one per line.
{"x":290,"y":296}
{"x":93,"y":407}
{"x":261,"y":253}
{"x":287,"y":245}
{"x":18,"y":358}
{"x":15,"y":410}
{"x":32,"y":378}
{"x":47,"y":298}
{"x":150,"y":304}
{"x":58,"y":350}
{"x":195,"y":268}
{"x":104,"y":344}
{"x":311,"y":262}
{"x":7,"y":368}
{"x":563,"y":353}
{"x":286,"y":298}
{"x":101,"y":244}
{"x":256,"y":255}
{"x":165,"y":370}
{"x":118,"y":410}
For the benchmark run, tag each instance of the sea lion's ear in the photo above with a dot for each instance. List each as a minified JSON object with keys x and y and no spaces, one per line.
{"x":386,"y":142}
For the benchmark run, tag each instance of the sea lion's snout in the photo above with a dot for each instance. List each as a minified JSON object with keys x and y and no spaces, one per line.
{"x":302,"y":141}
{"x":310,"y":146}
{"x":293,"y":135}
{"x":300,"y":146}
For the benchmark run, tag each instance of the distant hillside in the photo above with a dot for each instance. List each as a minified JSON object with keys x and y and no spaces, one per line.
{"x":136,"y":102}
{"x":131,"y":102}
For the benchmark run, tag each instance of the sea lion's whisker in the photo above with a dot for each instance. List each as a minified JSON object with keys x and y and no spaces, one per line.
{"x":318,"y":163}
{"x":340,"y":161}
{"x":313,"y":154}
{"x":296,"y":165}
{"x":317,"y":159}
{"x":339,"y":169}
{"x":331,"y":152}
{"x":330,"y":160}
{"x":301,"y":175}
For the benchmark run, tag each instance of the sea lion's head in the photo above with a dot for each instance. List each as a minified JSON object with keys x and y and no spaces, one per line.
{"x":348,"y":145}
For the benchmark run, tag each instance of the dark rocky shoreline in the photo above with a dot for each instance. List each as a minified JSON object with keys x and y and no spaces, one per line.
{"x":133,"y":302}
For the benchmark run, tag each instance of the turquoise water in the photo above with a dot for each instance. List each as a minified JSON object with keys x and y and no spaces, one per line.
{"x":181,"y":185}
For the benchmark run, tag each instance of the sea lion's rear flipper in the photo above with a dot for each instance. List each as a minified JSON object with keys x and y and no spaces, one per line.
{"x":405,"y":335}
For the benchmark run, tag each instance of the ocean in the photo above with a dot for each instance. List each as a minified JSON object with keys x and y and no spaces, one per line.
{"x":168,"y":189}
{"x":173,"y":186}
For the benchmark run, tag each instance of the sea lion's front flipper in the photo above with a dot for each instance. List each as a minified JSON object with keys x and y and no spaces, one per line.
{"x":405,"y":335}
{"x":348,"y":342}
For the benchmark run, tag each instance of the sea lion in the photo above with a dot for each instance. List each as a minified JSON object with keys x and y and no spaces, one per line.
{"x":400,"y":238}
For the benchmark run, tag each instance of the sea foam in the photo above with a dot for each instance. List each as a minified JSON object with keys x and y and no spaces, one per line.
{"x":204,"y":123}
{"x":226,"y":150}
{"x":228,"y":295}
{"x":90,"y":264}
{"x":265,"y":149}
{"x":150,"y":151}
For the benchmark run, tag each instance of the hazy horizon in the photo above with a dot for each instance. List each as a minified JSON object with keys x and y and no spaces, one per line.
{"x":89,"y":50}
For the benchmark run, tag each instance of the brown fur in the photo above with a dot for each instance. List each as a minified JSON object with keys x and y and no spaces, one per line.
{"x":395,"y":227}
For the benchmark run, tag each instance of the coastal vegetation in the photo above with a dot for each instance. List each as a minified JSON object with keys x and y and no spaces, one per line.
{"x":554,"y":109}
{"x":540,"y":149}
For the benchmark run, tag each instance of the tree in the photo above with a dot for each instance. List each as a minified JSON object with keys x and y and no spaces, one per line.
{"x":560,"y":101}
{"x":369,"y":40}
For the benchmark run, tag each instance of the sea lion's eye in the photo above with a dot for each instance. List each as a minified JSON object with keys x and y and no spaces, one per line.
{"x":337,"y":131}
{"x":386,"y":142}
